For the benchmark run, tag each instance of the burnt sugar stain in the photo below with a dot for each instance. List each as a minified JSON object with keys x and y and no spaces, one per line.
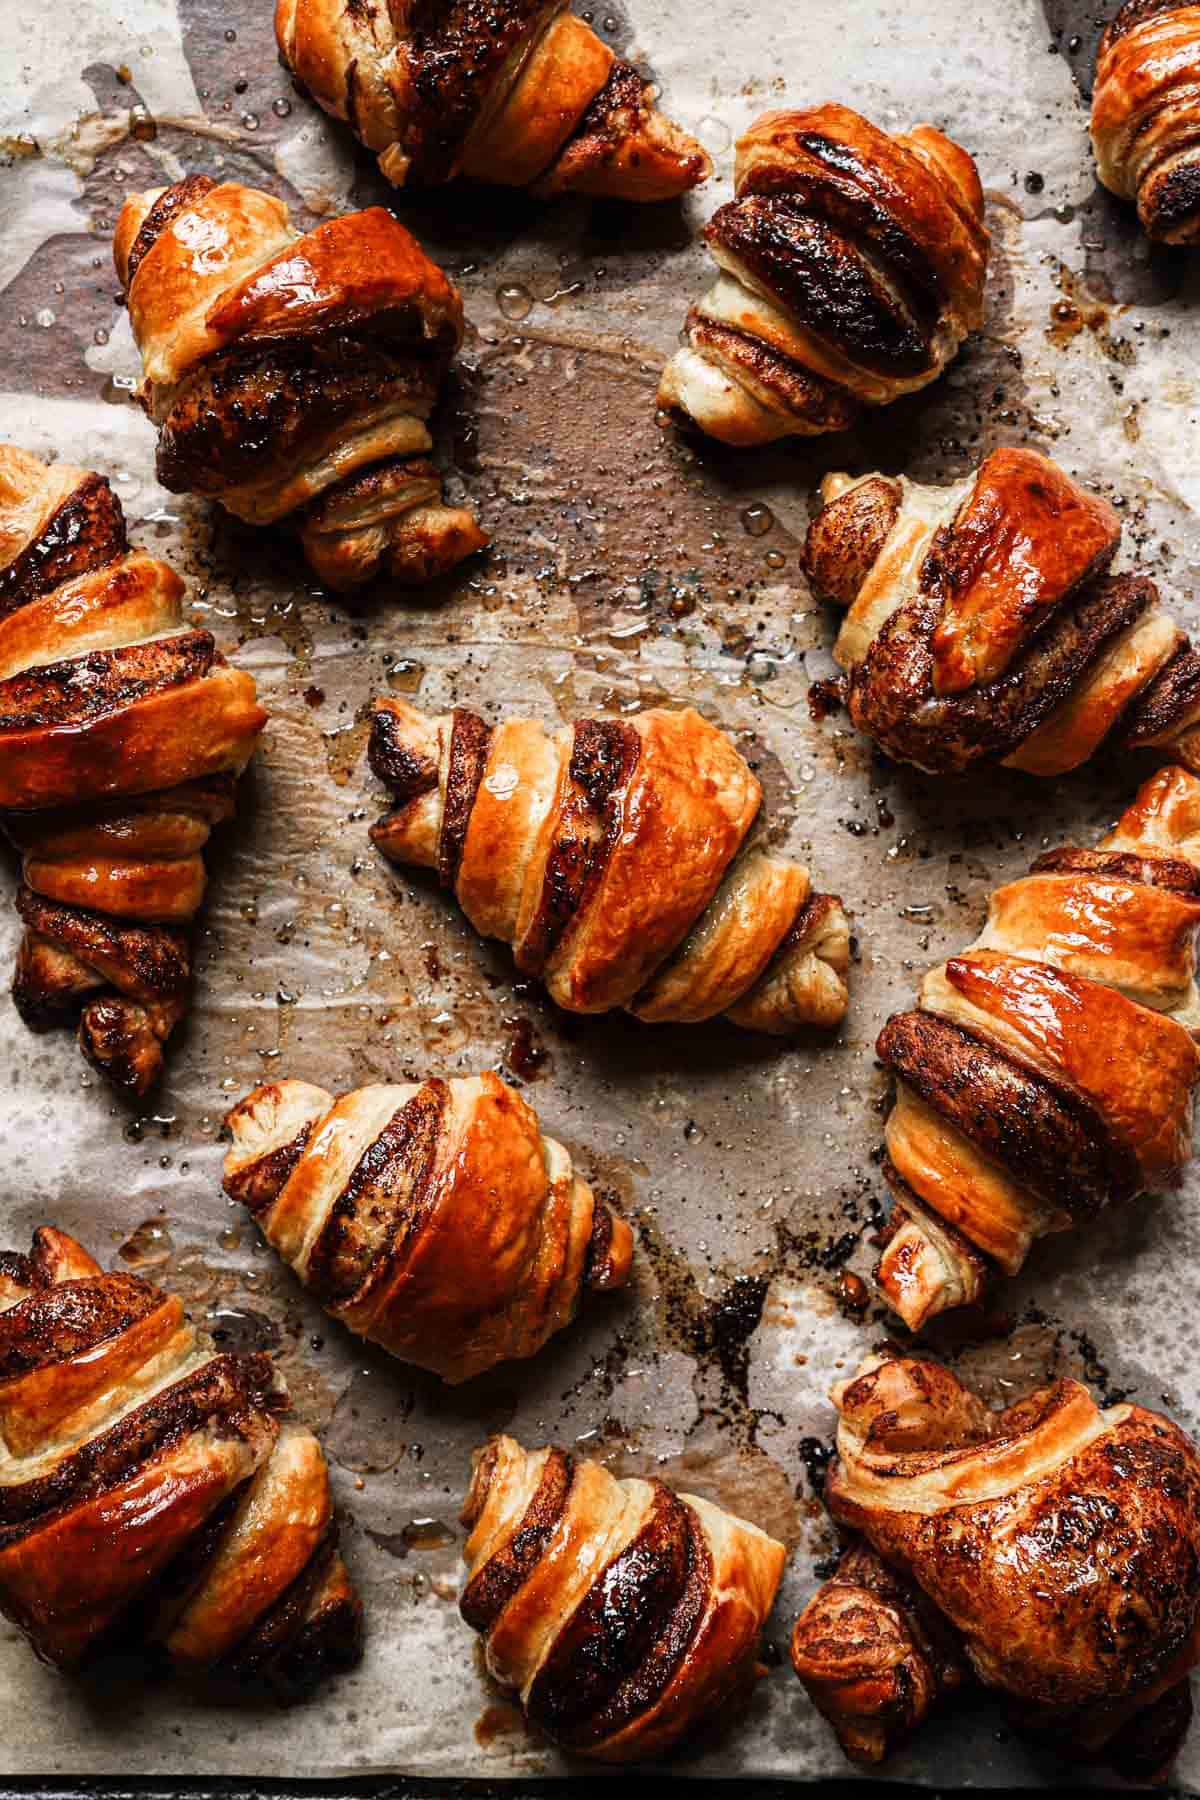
{"x":714,"y":1330}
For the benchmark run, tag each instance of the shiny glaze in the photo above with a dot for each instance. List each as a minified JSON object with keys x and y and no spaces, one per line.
{"x":136,"y":1452}
{"x":435,"y":1220}
{"x":105,"y":700}
{"x":598,"y":854}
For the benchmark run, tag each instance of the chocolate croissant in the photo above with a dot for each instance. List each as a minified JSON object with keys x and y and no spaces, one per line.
{"x":1059,"y":1544}
{"x":1051,"y":1067}
{"x":434,"y":1219}
{"x":291,"y":377}
{"x":985,"y":625}
{"x":521,"y":93}
{"x":1146,"y":115}
{"x":607,"y":855}
{"x":623,"y":1614}
{"x":122,"y":733}
{"x":852,"y":266}
{"x":153,"y":1491}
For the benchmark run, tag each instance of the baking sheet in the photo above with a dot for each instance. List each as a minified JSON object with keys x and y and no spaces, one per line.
{"x":626,"y":569}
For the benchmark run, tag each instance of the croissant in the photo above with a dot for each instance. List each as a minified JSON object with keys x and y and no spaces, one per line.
{"x":291,"y":377}
{"x":1146,"y":114}
{"x":520,"y":93}
{"x":434,"y":1219}
{"x":875,"y":1655}
{"x":984,"y":623}
{"x":152,"y":1490}
{"x":1051,"y":1067}
{"x":852,"y":266}
{"x":622,"y":1613}
{"x":121,"y":735}
{"x":607,"y":856}
{"x":1060,"y":1545}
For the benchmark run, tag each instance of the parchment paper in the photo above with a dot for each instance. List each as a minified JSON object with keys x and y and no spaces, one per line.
{"x":626,"y":569}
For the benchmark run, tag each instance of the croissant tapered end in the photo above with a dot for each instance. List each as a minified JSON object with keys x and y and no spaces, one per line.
{"x":624,"y":149}
{"x":292,"y":378}
{"x":873,"y":1656}
{"x":527,"y":96}
{"x":852,"y":267}
{"x":1144,"y":115}
{"x":552,"y":1540}
{"x":121,"y":737}
{"x":1088,"y":1633}
{"x":613,"y":858}
{"x":984,"y":625}
{"x":153,"y":1492}
{"x":1051,"y":1069}
{"x":454,"y":1233}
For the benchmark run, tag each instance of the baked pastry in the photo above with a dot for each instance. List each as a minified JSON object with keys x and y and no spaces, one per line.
{"x":433,"y":1218}
{"x":984,"y":624}
{"x":875,"y":1655}
{"x":1051,"y":1067}
{"x":1146,"y":115}
{"x":607,"y":855}
{"x":623,"y":1614}
{"x":122,"y":733}
{"x":291,"y":377}
{"x":852,"y":266}
{"x":1060,"y":1545}
{"x":521,"y":93}
{"x":153,"y":1490}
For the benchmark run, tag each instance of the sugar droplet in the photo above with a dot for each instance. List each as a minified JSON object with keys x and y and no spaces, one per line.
{"x":514,"y":301}
{"x":714,"y":134}
{"x":758,"y":519}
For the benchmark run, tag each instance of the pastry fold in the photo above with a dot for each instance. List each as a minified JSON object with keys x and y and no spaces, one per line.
{"x":122,"y":734}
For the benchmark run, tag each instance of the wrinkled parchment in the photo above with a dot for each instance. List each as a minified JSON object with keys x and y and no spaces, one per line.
{"x":626,"y":570}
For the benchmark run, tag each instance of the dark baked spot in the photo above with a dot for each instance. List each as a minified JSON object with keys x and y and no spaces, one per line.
{"x":493,"y":1585}
{"x":259,"y":1184}
{"x":62,"y":1321}
{"x":85,"y":533}
{"x":368,"y":1224}
{"x":1050,"y":1139}
{"x":1165,"y":701}
{"x":87,"y":688}
{"x":616,"y":1653}
{"x":820,"y":276}
{"x":891,"y":690}
{"x":230,"y":1394}
{"x":846,"y":537}
{"x":470,"y":738}
{"x":815,"y":402}
{"x":397,"y":765}
{"x":261,"y":409}
{"x":1153,"y":871}
{"x":604,"y":756}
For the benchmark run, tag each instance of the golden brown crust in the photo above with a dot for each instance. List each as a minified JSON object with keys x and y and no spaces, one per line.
{"x":552,"y":1542}
{"x":1095,"y":1619}
{"x":983,"y":623}
{"x":292,"y":376}
{"x":151,"y":1490}
{"x":1051,"y":1069}
{"x":852,"y":264}
{"x":434,"y":1220}
{"x":1145,"y":122}
{"x":608,"y":857}
{"x":511,"y":91}
{"x":121,"y":735}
